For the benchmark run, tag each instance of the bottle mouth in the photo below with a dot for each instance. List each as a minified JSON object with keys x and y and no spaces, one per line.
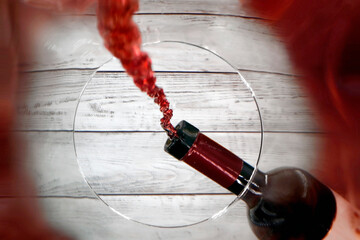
{"x":186,"y":135}
{"x":120,"y":155}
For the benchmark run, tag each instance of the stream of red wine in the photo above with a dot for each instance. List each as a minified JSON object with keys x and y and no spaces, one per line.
{"x":123,"y":39}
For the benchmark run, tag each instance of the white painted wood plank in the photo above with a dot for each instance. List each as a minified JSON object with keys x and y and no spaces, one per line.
{"x":213,"y":102}
{"x":116,"y":166}
{"x":177,"y":57}
{"x":247,"y":43}
{"x":47,"y":100}
{"x":51,"y":161}
{"x":223,"y":7}
{"x":56,"y":173}
{"x":218,"y":7}
{"x":170,"y":210}
{"x":89,"y":219}
{"x":63,"y":42}
{"x":136,"y":163}
{"x":73,"y":41}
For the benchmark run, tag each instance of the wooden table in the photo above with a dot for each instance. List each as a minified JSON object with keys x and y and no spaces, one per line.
{"x":114,"y":117}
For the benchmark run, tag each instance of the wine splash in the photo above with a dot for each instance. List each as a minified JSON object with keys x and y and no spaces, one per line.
{"x":123,"y":39}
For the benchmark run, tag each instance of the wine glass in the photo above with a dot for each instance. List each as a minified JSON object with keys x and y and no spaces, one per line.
{"x":119,"y":142}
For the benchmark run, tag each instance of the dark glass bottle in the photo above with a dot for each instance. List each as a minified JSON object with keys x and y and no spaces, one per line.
{"x":286,"y":203}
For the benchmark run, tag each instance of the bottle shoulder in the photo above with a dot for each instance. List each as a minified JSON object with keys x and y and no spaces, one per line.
{"x":293,"y":205}
{"x":286,"y":185}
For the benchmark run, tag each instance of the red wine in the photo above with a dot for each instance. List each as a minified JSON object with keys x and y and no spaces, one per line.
{"x":286,"y":203}
{"x":123,"y":39}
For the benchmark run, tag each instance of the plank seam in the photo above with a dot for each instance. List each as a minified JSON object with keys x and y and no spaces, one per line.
{"x":169,"y":72}
{"x":137,"y":131}
{"x":180,"y":13}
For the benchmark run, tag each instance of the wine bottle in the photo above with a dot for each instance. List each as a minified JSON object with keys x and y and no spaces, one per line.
{"x":286,"y":203}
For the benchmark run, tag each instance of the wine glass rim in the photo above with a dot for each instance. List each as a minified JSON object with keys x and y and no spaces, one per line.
{"x":246,"y":187}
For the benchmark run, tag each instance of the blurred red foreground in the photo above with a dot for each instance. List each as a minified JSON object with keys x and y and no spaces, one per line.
{"x":323,"y":38}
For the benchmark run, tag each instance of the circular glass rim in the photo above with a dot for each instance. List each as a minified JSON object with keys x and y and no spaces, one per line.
{"x":247,"y":186}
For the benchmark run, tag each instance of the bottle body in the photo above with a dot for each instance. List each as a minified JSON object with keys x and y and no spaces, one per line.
{"x":286,"y":203}
{"x":293,"y":205}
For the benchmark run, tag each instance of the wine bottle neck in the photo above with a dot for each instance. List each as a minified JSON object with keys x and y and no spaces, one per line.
{"x":252,"y":189}
{"x":215,"y":161}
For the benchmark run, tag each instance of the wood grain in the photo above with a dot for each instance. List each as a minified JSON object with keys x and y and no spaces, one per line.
{"x":111,"y":102}
{"x":126,"y":163}
{"x":169,"y":210}
{"x":73,"y":41}
{"x":48,"y":99}
{"x":91,"y":220}
{"x":222,"y":7}
{"x":209,"y":7}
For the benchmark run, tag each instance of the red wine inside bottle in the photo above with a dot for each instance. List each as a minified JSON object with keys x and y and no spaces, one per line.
{"x":293,"y":205}
{"x":286,"y":203}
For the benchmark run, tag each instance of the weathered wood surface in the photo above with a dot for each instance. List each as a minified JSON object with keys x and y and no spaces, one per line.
{"x":91,"y":220}
{"x":212,"y":101}
{"x":73,"y":41}
{"x":209,"y":7}
{"x":141,"y":179}
{"x":169,"y":210}
{"x":114,"y":118}
{"x":55,"y":168}
{"x":222,"y":7}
